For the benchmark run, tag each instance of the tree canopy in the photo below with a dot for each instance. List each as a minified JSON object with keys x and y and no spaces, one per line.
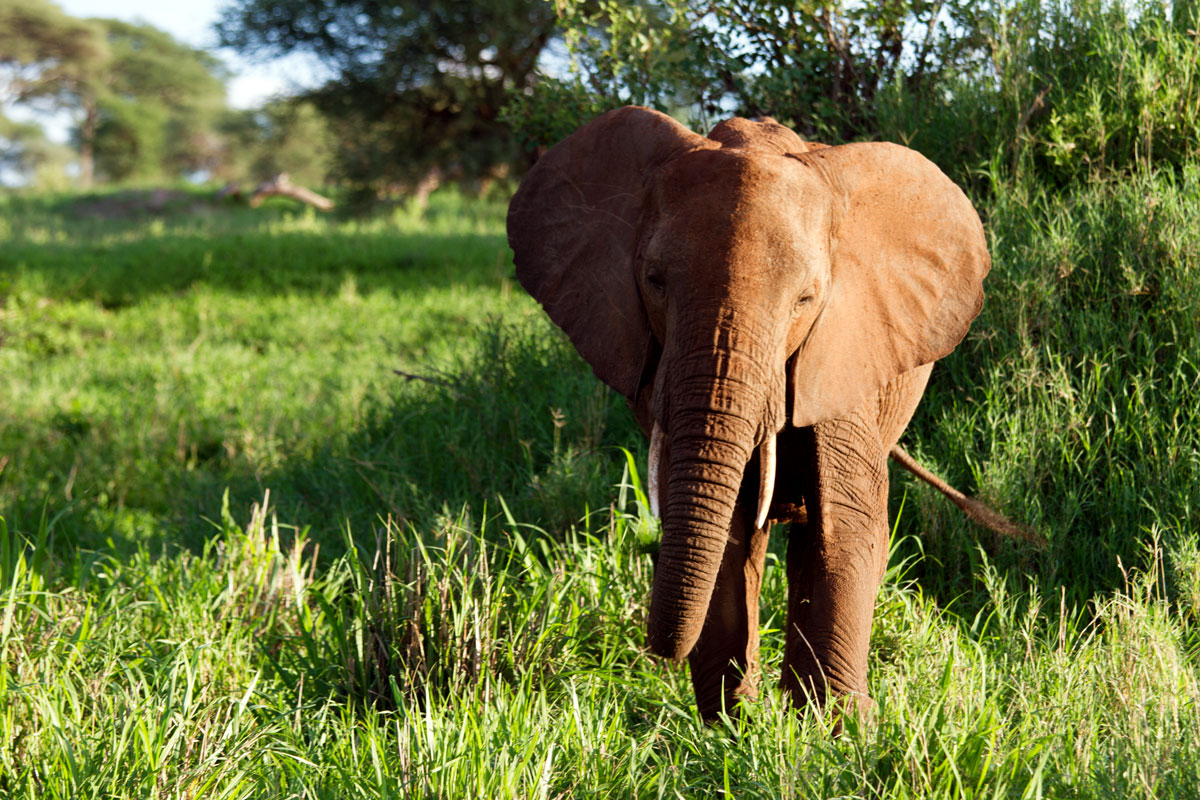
{"x":43,"y":51}
{"x":144,"y":104}
{"x":460,"y":88}
{"x":1065,"y":87}
{"x":419,"y":83}
{"x":157,"y":102}
{"x":285,"y":135}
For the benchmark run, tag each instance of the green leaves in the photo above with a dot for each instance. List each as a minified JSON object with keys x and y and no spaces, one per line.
{"x":416,"y":86}
{"x":141,"y":99}
{"x":1068,"y":90}
{"x":472,"y":625}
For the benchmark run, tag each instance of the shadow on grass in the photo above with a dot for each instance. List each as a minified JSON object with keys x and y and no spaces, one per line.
{"x":287,"y":262}
{"x":523,"y":418}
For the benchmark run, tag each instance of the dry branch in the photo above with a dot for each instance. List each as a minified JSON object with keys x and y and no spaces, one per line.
{"x":282,"y":185}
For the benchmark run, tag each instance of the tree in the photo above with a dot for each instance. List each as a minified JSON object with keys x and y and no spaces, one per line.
{"x":49,"y":58}
{"x":419,"y":83}
{"x":28,"y":158}
{"x":818,"y":64}
{"x":285,"y":135}
{"x":43,"y":51}
{"x":144,"y":103}
{"x":156,"y":104}
{"x":1068,"y":88}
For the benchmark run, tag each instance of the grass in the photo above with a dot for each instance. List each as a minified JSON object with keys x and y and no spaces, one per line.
{"x":241,"y":557}
{"x":273,"y":342}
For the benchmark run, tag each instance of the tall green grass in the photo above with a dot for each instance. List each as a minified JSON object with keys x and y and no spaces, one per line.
{"x":1072,"y":402}
{"x":156,"y":364}
{"x":241,"y":557}
{"x":515,"y":669}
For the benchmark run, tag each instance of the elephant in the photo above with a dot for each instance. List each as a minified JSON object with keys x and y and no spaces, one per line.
{"x":771,"y":310}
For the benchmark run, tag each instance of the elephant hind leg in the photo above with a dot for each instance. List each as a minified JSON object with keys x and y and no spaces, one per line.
{"x":724,"y":663}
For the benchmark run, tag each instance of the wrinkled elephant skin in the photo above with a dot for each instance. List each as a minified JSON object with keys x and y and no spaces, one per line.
{"x":771,"y":309}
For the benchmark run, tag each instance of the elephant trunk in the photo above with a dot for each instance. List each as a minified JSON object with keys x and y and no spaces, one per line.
{"x":711,"y":440}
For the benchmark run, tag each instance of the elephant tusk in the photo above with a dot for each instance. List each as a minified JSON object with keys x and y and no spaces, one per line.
{"x":656,"y":449}
{"x":766,"y":480}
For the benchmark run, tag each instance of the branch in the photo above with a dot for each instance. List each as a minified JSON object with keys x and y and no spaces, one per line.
{"x":1037,"y":103}
{"x":281,"y":185}
{"x":445,"y":384}
{"x":923,"y":55}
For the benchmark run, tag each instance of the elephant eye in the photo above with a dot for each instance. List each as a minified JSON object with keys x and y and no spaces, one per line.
{"x":804,"y":300}
{"x":655,"y":281}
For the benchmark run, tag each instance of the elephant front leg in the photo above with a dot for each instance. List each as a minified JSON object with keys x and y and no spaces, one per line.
{"x":724,"y":662}
{"x":835,"y":563}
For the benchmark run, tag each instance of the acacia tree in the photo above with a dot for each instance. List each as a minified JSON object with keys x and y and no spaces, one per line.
{"x":44,"y":51}
{"x":156,"y":104}
{"x":144,"y":103}
{"x":419,"y":83}
{"x":50,"y":58}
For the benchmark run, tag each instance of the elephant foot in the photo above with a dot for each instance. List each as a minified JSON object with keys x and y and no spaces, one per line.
{"x":724,"y":691}
{"x":807,"y":694}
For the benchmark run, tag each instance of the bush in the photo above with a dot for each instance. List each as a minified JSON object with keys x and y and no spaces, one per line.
{"x":1065,"y":90}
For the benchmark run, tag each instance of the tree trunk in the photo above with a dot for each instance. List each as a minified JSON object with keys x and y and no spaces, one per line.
{"x":87,"y":141}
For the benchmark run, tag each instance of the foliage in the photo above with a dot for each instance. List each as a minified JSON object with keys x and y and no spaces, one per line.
{"x":473,"y":620}
{"x":144,"y":103}
{"x":157,"y":102}
{"x":29,"y":157}
{"x":418,"y":85}
{"x":1068,"y":394}
{"x":458,"y":610}
{"x":285,"y":135}
{"x":817,"y":65}
{"x":1070,"y":88}
{"x":44,"y":51}
{"x":1123,"y":90}
{"x":553,"y":111}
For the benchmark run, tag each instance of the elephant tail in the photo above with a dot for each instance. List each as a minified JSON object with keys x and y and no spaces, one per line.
{"x":974,"y":509}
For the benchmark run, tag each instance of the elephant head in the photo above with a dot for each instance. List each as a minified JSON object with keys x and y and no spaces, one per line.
{"x":733,"y":285}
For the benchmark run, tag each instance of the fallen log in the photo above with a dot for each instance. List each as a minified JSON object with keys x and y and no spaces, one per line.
{"x":282,"y":185}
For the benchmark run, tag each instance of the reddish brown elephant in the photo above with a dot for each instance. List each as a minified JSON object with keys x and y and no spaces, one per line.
{"x":772,"y":310}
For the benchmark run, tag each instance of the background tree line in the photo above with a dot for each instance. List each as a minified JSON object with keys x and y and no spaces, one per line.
{"x":143,"y":107}
{"x":429,"y":90}
{"x":1060,"y":89}
{"x":1054,"y":89}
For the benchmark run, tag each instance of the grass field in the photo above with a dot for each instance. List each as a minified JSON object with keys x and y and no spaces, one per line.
{"x":241,"y":556}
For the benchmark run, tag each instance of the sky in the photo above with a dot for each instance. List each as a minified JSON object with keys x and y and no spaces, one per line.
{"x":191,"y":21}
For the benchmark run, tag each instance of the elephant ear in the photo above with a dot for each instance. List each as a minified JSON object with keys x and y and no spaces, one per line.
{"x":573,"y":227}
{"x":907,"y":260}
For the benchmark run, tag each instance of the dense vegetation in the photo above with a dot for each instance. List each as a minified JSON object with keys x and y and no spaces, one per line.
{"x":243,"y":557}
{"x":301,"y":506}
{"x":416,"y":87}
{"x":1057,"y":90}
{"x":141,"y":108}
